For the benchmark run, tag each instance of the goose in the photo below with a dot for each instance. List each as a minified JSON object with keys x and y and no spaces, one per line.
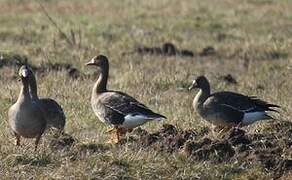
{"x":228,"y":109}
{"x":25,"y":117}
{"x":116,"y":108}
{"x":53,"y":112}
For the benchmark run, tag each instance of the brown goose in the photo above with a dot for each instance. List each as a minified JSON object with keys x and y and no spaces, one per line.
{"x":53,"y":112}
{"x":226,"y":109}
{"x":116,"y":108}
{"x":25,"y":117}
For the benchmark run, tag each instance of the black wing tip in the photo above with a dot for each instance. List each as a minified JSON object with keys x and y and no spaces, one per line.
{"x":273,"y":105}
{"x":265,"y":104}
{"x":164,"y":117}
{"x":160,"y":116}
{"x":273,"y":110}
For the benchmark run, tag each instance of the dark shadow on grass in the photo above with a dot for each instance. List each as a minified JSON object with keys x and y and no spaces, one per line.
{"x":36,"y":160}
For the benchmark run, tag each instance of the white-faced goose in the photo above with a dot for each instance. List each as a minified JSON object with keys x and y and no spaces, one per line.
{"x":25,"y":117}
{"x":226,"y":109}
{"x":118,"y":109}
{"x":53,"y":112}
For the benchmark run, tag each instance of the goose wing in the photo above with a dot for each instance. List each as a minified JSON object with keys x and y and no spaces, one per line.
{"x":117,"y":105}
{"x":125,"y":104}
{"x":241,"y":102}
{"x":53,"y":112}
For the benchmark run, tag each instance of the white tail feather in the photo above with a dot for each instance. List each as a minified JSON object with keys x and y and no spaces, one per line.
{"x":132,"y":121}
{"x":252,"y":117}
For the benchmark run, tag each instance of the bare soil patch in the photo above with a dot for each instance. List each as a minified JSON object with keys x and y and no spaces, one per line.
{"x":167,"y":49}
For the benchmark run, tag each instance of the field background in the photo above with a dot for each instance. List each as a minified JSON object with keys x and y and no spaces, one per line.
{"x":252,"y":40}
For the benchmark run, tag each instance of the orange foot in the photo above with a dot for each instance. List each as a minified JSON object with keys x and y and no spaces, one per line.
{"x":111,"y":130}
{"x":113,"y":141}
{"x":116,"y":132}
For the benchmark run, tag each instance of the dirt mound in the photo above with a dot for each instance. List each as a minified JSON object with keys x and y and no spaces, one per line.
{"x":16,"y":60}
{"x":207,"y":51}
{"x":13,"y":60}
{"x":270,"y":147}
{"x":167,"y":49}
{"x":216,"y":151}
{"x":228,"y":78}
{"x":168,"y":138}
{"x":71,"y":71}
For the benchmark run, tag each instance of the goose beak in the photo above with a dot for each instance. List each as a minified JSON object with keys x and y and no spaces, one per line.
{"x":89,"y":63}
{"x":193,"y":86}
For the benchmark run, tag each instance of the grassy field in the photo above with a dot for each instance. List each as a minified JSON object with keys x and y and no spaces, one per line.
{"x":252,"y":41}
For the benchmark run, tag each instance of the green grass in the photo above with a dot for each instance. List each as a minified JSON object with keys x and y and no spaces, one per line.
{"x":255,"y":49}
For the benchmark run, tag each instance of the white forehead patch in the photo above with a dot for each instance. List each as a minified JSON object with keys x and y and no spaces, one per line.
{"x":24,"y":72}
{"x":93,"y":59}
{"x":194,"y":81}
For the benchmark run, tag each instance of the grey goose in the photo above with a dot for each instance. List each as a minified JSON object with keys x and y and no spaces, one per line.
{"x":116,"y":108}
{"x":53,"y":112}
{"x":25,"y":116}
{"x":227,"y":109}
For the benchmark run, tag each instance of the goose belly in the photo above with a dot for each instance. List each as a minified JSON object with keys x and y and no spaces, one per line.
{"x":217,"y":120}
{"x":27,"y":127}
{"x":210,"y":116}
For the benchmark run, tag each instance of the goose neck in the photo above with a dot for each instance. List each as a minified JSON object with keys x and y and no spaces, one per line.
{"x":24,"y":91}
{"x":100,"y":85}
{"x":201,"y":97}
{"x":33,"y":88}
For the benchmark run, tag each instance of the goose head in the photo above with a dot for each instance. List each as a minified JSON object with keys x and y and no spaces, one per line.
{"x":200,"y":82}
{"x":100,"y":61}
{"x":24,"y":72}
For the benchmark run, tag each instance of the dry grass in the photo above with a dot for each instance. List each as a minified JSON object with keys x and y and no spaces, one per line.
{"x":252,"y":40}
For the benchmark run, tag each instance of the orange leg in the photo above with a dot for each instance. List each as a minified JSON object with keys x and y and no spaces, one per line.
{"x":110,"y":130}
{"x":114,"y":137}
{"x":116,"y":132}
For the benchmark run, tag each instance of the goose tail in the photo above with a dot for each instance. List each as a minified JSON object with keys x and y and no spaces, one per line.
{"x":158,"y":117}
{"x":271,"y":107}
{"x":252,"y":117}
